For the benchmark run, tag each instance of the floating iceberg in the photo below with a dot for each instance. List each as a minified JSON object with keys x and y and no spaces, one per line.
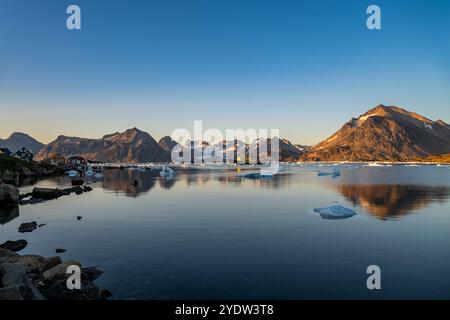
{"x":166,"y":172}
{"x":72,"y":173}
{"x":257,"y":175}
{"x":336,"y":172}
{"x":335,"y":212}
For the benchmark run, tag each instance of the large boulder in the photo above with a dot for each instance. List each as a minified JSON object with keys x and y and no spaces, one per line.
{"x":8,"y":194}
{"x":37,"y":262}
{"x":13,"y":274}
{"x":6,"y":255}
{"x":58,"y":271}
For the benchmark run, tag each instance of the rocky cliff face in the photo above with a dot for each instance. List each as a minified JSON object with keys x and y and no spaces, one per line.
{"x":384,"y":133}
{"x":133,"y":146}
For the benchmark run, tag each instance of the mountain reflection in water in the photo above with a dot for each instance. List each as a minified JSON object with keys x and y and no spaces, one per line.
{"x":133,"y":183}
{"x":392,"y":201}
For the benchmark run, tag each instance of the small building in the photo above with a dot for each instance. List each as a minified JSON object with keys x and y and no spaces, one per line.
{"x":23,"y":154}
{"x":76,"y":160}
{"x":57,"y":159}
{"x":5,"y":151}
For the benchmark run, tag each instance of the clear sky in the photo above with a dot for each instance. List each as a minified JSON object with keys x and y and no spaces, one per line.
{"x":304,"y":67}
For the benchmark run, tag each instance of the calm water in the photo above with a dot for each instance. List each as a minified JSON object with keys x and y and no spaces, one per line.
{"x":215,"y":234}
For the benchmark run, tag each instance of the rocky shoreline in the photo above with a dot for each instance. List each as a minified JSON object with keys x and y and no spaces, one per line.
{"x":23,"y":173}
{"x":33,"y":277}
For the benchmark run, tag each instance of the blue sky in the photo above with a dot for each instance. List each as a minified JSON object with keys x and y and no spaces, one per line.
{"x":304,"y":67}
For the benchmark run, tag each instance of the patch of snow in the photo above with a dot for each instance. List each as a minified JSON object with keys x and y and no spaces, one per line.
{"x":362,"y":119}
{"x":428,"y":126}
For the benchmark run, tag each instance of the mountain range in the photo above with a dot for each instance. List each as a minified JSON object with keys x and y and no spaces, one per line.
{"x":18,"y":140}
{"x":384,"y":133}
{"x":133,"y":145}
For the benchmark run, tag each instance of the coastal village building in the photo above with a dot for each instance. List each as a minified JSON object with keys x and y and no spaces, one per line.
{"x":58,"y":159}
{"x":24,"y":154}
{"x":5,"y":151}
{"x":76,"y":160}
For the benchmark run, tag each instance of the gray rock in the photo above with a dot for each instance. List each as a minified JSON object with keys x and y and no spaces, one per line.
{"x":59,"y":271}
{"x":14,"y":245}
{"x":33,"y":291}
{"x":28,"y":227}
{"x":58,"y":291}
{"x":6,"y":254}
{"x":8,"y":194}
{"x":12,"y":293}
{"x":13,"y":274}
{"x":51,"y":262}
{"x":37,"y":262}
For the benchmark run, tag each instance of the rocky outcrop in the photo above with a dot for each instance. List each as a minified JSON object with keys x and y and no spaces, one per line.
{"x":32,"y":277}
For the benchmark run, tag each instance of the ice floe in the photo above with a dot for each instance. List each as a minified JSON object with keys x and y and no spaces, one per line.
{"x":335,"y":211}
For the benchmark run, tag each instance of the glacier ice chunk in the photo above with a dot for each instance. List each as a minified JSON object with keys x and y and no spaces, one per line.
{"x":335,"y":211}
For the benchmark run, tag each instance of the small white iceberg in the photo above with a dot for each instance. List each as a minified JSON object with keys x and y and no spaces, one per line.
{"x":166,"y":172}
{"x":72,"y":173}
{"x":335,"y":211}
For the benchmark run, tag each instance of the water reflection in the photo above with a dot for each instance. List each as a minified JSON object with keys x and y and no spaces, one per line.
{"x":8,"y":213}
{"x":392,"y":201}
{"x":130,"y":182}
{"x":133,"y":183}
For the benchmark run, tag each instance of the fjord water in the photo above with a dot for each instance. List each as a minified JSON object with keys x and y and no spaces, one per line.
{"x":216,"y":234}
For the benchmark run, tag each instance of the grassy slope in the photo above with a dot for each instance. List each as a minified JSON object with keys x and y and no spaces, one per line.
{"x":11,"y":163}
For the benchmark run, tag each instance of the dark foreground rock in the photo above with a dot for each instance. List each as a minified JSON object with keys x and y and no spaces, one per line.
{"x":43,"y":194}
{"x":47,"y":193}
{"x":14,"y":245}
{"x":31,"y":277}
{"x":28,"y":227}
